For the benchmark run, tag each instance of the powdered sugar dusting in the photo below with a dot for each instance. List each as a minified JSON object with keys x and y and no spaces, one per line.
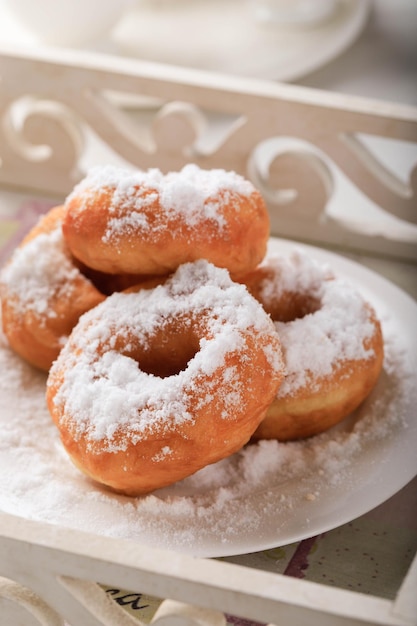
{"x":318,"y":343}
{"x":192,"y":193}
{"x":105,"y":391}
{"x":35,"y":271}
{"x":296,"y":273}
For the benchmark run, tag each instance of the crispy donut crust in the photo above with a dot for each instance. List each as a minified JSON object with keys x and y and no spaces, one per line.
{"x":200,"y":365}
{"x":37,"y":335}
{"x":322,"y":401}
{"x":133,"y":225}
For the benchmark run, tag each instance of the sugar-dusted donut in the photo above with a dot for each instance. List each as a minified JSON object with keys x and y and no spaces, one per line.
{"x":331,"y":341}
{"x":122,"y":221}
{"x":43,"y":293}
{"x":152,"y":386}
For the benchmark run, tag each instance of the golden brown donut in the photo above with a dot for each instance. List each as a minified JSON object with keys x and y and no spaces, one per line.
{"x":154,"y":385}
{"x":331,"y":341}
{"x":43,"y":293}
{"x":119,"y":221}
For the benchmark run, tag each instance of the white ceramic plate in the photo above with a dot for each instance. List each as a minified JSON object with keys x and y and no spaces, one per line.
{"x":265,"y":496}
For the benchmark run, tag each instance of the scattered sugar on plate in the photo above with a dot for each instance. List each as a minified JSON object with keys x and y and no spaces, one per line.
{"x":231,"y":503}
{"x":40,"y":267}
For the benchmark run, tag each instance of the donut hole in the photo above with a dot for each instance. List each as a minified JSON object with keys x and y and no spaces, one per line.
{"x":292,"y":306}
{"x":168,"y":351}
{"x":283,"y":305}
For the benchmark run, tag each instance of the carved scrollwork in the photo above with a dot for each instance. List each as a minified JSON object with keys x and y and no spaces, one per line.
{"x":41,"y":136}
{"x":177,"y":127}
{"x":378,"y":182}
{"x":130,"y":138}
{"x":294,"y":179}
{"x":171,"y":613}
{"x":101,"y":610}
{"x":30,"y":602}
{"x":159,"y":134}
{"x":98,"y":603}
{"x":213,"y":121}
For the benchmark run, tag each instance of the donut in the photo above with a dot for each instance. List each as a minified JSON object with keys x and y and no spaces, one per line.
{"x":155,"y":384}
{"x":331,"y":342}
{"x":43,"y":293}
{"x":145,"y":222}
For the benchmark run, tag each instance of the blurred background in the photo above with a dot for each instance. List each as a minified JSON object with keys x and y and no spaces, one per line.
{"x":361,"y":47}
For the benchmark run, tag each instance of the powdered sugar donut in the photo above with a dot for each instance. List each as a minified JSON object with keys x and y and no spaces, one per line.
{"x":43,"y":293}
{"x":149,"y":223}
{"x":331,"y":341}
{"x":152,"y":386}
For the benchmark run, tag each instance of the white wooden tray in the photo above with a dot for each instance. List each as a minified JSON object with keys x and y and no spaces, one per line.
{"x":61,"y":111}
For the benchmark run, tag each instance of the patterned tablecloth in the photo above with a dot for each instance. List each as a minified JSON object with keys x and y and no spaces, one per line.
{"x":370,"y":554}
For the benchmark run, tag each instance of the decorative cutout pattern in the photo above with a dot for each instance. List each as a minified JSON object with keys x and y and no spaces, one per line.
{"x":49,"y":106}
{"x":30,"y":601}
{"x":95,"y":607}
{"x":52,"y":567}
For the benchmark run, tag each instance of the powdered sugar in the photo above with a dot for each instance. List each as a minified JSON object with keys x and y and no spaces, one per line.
{"x":193,"y":193}
{"x":318,"y":343}
{"x":35,"y":271}
{"x":296,"y":273}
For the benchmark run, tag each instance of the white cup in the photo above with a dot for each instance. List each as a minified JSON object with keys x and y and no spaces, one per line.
{"x":67,"y":22}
